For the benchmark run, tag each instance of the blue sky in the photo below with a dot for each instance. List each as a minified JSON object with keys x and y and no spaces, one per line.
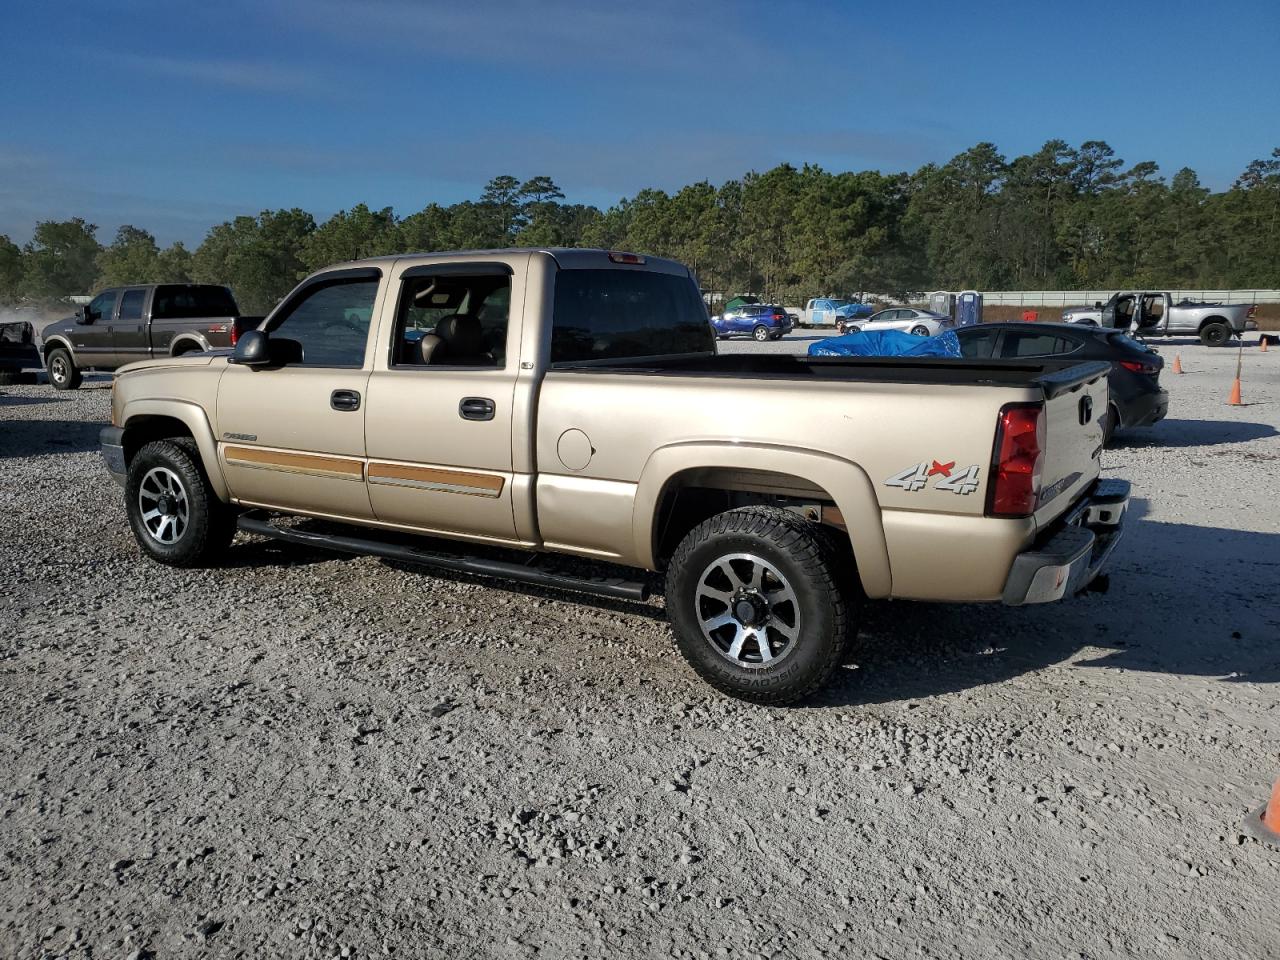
{"x":175,"y":116}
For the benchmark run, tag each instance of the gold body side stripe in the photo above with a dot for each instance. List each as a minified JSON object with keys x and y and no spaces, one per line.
{"x":290,"y":461}
{"x":435,"y":478}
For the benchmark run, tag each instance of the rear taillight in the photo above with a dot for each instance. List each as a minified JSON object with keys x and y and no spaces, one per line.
{"x":779,"y":315}
{"x":1019,"y":461}
{"x":1135,"y":366}
{"x":235,"y":332}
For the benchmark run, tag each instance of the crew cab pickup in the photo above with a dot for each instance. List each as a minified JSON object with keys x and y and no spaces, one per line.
{"x":124,"y":324}
{"x":1156,"y":315}
{"x":540,"y":402}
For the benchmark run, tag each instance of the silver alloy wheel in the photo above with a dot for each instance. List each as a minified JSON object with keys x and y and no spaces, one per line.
{"x":747,"y":610}
{"x":163,"y":505}
{"x":920,"y":331}
{"x":762,"y":333}
{"x":58,"y":369}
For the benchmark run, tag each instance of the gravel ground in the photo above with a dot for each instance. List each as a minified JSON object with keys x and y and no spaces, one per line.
{"x":309,"y":755}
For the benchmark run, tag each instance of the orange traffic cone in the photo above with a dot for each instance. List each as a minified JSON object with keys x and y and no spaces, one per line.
{"x":1263,"y":344}
{"x":1234,"y":399}
{"x":1264,"y":823}
{"x":1177,"y":363}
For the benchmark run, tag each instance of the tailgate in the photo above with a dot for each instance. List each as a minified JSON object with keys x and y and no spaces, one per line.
{"x":1075,"y":401}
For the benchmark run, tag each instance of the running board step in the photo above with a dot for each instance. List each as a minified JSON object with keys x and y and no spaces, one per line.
{"x":257,"y":522}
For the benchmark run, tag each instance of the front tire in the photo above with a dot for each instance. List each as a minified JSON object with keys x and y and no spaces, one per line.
{"x":761,"y":333}
{"x":1215,"y":334}
{"x":63,"y":373}
{"x":756,"y":605}
{"x":176,"y":517}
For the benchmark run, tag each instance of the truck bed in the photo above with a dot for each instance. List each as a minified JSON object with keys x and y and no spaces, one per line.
{"x":1052,"y":375}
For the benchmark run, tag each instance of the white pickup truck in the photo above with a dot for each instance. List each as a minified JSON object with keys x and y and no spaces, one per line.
{"x":573,"y":402}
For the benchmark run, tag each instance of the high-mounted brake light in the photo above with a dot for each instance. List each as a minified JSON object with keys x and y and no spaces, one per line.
{"x":1018,"y":464}
{"x":626,"y":258}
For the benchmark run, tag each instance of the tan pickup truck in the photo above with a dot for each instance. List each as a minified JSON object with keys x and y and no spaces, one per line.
{"x":572,"y":402}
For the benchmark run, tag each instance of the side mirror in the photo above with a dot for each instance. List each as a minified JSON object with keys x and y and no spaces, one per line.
{"x":1097,"y":304}
{"x":83,"y":315}
{"x":253,"y":349}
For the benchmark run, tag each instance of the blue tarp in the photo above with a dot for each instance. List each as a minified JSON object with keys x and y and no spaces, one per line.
{"x":887,"y":343}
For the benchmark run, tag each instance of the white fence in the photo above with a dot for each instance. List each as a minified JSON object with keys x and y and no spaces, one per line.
{"x":1075,"y":298}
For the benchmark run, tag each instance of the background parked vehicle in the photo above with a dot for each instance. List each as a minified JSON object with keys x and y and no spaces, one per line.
{"x":825,"y":311}
{"x":762,"y":321}
{"x":1153,"y":314}
{"x":124,"y":324}
{"x":921,"y":323}
{"x":17,"y":351}
{"x":1137,"y":399}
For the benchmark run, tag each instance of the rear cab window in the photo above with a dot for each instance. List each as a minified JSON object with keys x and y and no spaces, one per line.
{"x":622,"y":314}
{"x":192,"y":301}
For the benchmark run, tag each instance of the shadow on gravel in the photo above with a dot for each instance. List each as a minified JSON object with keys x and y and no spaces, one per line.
{"x":38,"y":438}
{"x":1184,"y":600}
{"x":1193,"y":433}
{"x":9,"y":400}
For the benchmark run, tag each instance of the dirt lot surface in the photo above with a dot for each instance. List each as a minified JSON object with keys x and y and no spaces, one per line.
{"x":308,"y":755}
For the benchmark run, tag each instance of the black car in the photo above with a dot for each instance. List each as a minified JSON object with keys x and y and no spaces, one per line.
{"x":1137,"y":399}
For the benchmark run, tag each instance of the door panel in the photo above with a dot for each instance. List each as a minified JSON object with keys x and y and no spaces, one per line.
{"x":293,"y":436}
{"x":432,"y":468}
{"x":282,"y":444}
{"x":93,"y":341}
{"x":129,"y":333}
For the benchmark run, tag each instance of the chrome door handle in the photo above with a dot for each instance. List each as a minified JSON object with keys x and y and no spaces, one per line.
{"x":476,"y":408}
{"x":344,"y":400}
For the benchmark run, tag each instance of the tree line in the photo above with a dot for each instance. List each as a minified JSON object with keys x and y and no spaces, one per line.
{"x":1061,"y":218}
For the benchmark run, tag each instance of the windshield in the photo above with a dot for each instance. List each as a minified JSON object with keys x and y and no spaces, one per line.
{"x":612,"y":314}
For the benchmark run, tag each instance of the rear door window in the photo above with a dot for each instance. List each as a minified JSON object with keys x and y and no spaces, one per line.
{"x":615,"y":314}
{"x":1032,"y":344}
{"x":131,"y":305}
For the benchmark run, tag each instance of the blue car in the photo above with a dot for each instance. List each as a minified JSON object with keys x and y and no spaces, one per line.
{"x":761,"y":321}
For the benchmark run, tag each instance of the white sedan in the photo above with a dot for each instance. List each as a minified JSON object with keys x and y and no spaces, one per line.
{"x":921,"y":323}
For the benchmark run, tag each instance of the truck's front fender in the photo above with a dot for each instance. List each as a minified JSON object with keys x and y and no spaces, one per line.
{"x":844,"y":481}
{"x":192,"y":416}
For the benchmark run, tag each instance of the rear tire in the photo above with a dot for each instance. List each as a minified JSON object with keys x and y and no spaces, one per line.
{"x":1113,"y":424}
{"x":176,"y":517}
{"x":920,"y":331}
{"x":1215,"y":334}
{"x":757,"y":606}
{"x":63,"y":373}
{"x":761,"y":333}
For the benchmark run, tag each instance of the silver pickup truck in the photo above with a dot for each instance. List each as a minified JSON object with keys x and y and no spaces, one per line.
{"x":1156,"y":315}
{"x":573,"y":402}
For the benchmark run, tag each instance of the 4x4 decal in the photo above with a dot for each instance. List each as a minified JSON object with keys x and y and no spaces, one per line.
{"x":917,"y":477}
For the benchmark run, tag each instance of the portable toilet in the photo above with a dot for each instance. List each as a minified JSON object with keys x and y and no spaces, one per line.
{"x":943,"y":303}
{"x":968,"y":308}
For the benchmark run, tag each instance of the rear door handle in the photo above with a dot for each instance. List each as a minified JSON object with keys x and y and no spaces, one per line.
{"x":476,"y":408}
{"x":344,"y":400}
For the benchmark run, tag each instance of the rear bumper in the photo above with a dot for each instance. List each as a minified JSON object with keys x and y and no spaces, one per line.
{"x":111,"y":442}
{"x":1145,"y":409}
{"x":1069,"y":559}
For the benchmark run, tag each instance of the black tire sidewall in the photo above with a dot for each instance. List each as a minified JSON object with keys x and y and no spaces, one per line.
{"x":205,"y":533}
{"x":73,"y":374}
{"x":823,"y":632}
{"x":1215,"y":335}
